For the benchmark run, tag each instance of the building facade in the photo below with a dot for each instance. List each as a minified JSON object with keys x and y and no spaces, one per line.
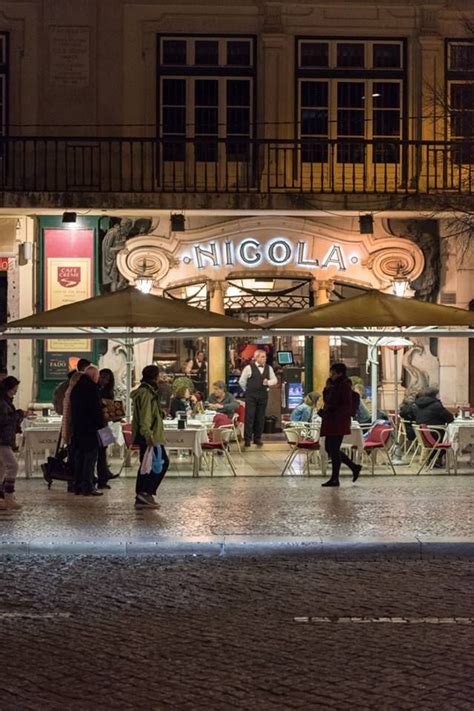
{"x":252,"y":159}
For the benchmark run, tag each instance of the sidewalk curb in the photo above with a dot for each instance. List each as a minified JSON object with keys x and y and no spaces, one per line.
{"x":416,"y":548}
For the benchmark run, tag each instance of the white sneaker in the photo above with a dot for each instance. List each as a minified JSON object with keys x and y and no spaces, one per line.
{"x":12,"y":503}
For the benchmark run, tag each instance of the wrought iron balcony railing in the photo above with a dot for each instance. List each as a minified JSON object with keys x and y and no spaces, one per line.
{"x":148,"y":165}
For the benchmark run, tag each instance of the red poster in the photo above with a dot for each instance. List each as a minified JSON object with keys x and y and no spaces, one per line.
{"x":4,"y":264}
{"x":68,"y":278}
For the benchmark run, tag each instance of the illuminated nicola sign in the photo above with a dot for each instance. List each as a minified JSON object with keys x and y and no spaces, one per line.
{"x":276,"y":252}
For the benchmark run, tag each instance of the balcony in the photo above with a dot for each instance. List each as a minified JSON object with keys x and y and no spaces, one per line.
{"x":31,"y":168}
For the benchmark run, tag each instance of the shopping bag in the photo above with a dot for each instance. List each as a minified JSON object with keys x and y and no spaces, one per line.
{"x":147,"y":461}
{"x":106,"y":436}
{"x":157,"y":459}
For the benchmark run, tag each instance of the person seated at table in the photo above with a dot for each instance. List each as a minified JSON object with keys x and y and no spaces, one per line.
{"x":407,"y":413}
{"x":180,"y":402}
{"x":362,"y":414}
{"x":429,"y":410}
{"x":305,"y":411}
{"x":222,"y":401}
{"x":197,"y":404}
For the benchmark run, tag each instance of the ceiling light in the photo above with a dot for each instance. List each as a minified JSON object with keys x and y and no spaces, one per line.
{"x":144,"y":284}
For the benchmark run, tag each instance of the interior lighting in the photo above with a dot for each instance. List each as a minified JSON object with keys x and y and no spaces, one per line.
{"x":400,"y":283}
{"x":144,"y":284}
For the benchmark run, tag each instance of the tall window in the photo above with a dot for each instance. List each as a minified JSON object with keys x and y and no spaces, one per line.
{"x":206,"y":90}
{"x":350,"y":91}
{"x":460,"y":95}
{"x":3,"y":83}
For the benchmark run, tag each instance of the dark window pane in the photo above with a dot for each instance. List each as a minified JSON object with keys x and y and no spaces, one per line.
{"x":461,"y":57}
{"x":205,"y":150}
{"x":312,"y":152}
{"x":238,"y":53}
{"x":174,"y":150}
{"x":174,"y":119}
{"x":238,"y":150}
{"x":462,"y":97}
{"x":385,"y":152}
{"x":386,"y":56}
{"x":350,"y":55}
{"x":174,"y":92}
{"x":206,"y":52}
{"x":350,"y":123}
{"x":351,"y":95}
{"x":174,"y":51}
{"x":206,"y":92}
{"x":314,"y":54}
{"x":386,"y":123}
{"x":206,"y":120}
{"x":238,"y":121}
{"x":386,"y":95}
{"x":462,"y":124}
{"x":350,"y":152}
{"x":314,"y":93}
{"x":314,"y":122}
{"x":238,"y":92}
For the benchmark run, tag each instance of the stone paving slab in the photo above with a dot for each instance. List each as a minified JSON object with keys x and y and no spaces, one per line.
{"x":379,"y":517}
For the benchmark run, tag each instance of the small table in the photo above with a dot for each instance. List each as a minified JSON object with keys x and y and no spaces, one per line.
{"x":460,"y":434}
{"x":40,"y":439}
{"x":190,"y":438}
{"x":354,"y":439}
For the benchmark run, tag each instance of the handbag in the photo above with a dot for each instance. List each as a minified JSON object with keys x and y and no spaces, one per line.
{"x":57,"y":468}
{"x":106,"y":436}
{"x":114,"y":409}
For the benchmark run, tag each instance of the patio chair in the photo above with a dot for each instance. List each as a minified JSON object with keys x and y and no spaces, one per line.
{"x":378,"y":439}
{"x":219,"y":441}
{"x":300,"y":441}
{"x":432,"y":446}
{"x":236,"y":431}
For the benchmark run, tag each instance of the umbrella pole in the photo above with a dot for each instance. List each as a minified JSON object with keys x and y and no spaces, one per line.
{"x":128,"y":377}
{"x":374,"y":378}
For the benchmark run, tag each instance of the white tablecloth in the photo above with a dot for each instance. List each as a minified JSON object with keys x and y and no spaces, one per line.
{"x":190,"y":439}
{"x":460,"y":434}
{"x":40,"y":439}
{"x":354,"y":439}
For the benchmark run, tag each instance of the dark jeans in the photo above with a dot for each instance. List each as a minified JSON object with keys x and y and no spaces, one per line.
{"x":255,"y":406}
{"x":85,"y":459}
{"x":333,"y":448}
{"x":149,"y":483}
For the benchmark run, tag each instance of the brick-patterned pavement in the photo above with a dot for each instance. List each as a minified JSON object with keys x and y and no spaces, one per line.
{"x":93,"y":634}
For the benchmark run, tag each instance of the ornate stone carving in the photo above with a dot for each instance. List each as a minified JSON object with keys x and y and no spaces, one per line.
{"x":140,"y":258}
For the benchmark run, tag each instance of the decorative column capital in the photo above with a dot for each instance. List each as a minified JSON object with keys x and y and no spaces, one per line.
{"x":214,"y":287}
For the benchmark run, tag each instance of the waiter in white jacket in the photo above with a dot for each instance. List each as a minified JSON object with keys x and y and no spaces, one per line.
{"x":255,"y":380}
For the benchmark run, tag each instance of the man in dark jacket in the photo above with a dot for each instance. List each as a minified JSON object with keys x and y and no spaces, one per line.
{"x":87,"y":418}
{"x":339,"y":408}
{"x":429,"y":410}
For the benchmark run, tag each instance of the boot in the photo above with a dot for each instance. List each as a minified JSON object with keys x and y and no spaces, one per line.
{"x":331,"y":482}
{"x":3,"y":505}
{"x":12,"y":503}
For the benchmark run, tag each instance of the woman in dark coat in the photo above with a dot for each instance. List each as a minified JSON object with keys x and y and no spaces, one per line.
{"x":107,"y":392}
{"x":336,"y":421}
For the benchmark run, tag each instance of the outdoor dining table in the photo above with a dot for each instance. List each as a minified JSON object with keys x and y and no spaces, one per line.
{"x":460,"y":433}
{"x":40,"y":439}
{"x":191,"y":438}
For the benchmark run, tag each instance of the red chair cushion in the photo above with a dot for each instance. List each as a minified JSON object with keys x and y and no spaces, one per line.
{"x":212,"y":445}
{"x":308,"y":444}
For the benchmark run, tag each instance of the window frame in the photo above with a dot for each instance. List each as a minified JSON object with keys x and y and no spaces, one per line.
{"x":5,"y":72}
{"x":369,"y":75}
{"x":453,"y":77}
{"x":222,"y":72}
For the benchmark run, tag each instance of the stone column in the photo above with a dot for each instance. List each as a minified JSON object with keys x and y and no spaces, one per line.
{"x":216,"y":356}
{"x":321,"y":354}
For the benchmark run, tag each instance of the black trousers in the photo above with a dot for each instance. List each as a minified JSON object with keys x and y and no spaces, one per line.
{"x":255,"y":407}
{"x":102,"y":466}
{"x":332,"y":445}
{"x":149,"y":483}
{"x":85,"y":459}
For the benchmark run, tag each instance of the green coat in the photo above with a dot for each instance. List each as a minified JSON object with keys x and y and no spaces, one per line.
{"x":147,"y":418}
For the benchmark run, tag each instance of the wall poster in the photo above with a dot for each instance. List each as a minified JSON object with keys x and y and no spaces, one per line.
{"x":68,"y":278}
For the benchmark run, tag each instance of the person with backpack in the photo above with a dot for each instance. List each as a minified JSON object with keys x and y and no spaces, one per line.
{"x":340,"y":406}
{"x":148,"y":431}
{"x":10,"y":420}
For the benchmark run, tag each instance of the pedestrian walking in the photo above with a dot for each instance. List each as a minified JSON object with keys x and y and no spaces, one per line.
{"x":336,"y":418}
{"x":148,"y":431}
{"x":87,"y":418}
{"x":10,"y":421}
{"x":255,"y":381}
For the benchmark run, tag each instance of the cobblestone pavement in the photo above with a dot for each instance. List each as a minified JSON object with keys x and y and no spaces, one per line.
{"x":410,"y":509}
{"x":85,"y":634}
